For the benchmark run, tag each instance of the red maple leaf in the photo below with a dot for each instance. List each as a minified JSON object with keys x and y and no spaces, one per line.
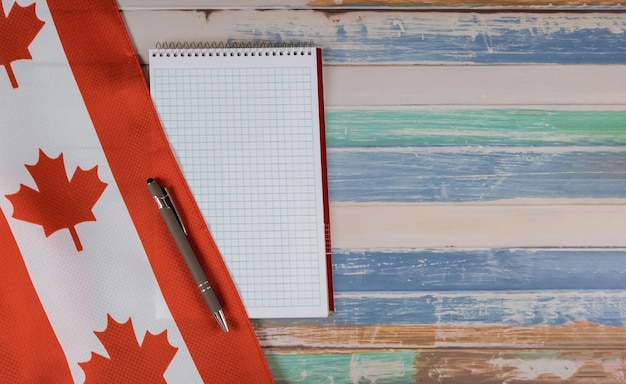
{"x":59,"y":203}
{"x":129,"y":362}
{"x":17,"y":31}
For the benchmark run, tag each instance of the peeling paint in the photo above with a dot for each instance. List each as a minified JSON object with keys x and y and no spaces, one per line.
{"x":532,"y":369}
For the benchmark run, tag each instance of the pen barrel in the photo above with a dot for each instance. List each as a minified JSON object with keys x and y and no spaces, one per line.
{"x":190,"y":259}
{"x":209,"y":296}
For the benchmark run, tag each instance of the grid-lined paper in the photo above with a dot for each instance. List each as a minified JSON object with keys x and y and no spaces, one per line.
{"x":246,"y":132}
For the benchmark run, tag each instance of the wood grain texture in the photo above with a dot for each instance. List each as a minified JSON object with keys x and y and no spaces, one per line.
{"x":453,"y":354}
{"x":482,"y":4}
{"x":449,"y":86}
{"x":497,"y":366}
{"x":470,"y":270}
{"x":424,"y":336}
{"x":530,"y":308}
{"x":451,"y":366}
{"x":476,"y":175}
{"x":398,"y":37}
{"x":423,"y":177}
{"x":358,"y":4}
{"x":498,"y":224}
{"x":503,"y":127}
{"x":384,"y":366}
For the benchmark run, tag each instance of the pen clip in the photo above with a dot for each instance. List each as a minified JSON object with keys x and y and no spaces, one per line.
{"x":172,"y":206}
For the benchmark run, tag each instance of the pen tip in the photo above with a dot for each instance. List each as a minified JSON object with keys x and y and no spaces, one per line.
{"x":150,"y":180}
{"x":221,"y":320}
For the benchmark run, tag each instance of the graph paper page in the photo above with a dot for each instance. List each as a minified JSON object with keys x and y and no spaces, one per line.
{"x":246,"y":133}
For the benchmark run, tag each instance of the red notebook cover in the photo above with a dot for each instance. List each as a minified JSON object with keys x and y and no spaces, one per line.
{"x":329,"y":250}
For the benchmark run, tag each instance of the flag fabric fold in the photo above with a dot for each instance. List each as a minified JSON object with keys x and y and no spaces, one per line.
{"x":92,"y":286}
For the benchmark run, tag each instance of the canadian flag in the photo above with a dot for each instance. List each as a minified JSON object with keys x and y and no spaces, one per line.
{"x":92,"y":286}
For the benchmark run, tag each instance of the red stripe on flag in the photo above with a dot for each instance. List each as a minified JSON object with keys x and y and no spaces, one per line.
{"x":29,"y":350}
{"x":112,"y":85}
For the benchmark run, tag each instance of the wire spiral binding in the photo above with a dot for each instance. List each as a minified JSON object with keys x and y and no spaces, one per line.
{"x":203,"y":49}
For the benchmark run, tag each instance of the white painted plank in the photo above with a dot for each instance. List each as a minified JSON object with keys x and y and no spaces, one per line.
{"x":499,"y":224}
{"x":475,"y":85}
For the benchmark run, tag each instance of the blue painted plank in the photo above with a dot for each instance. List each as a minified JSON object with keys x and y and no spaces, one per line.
{"x":470,"y":174}
{"x":478,"y":270}
{"x":478,"y":308}
{"x":507,"y":45}
{"x":438,"y":37}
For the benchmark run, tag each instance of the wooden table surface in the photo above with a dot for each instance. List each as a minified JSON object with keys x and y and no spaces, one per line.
{"x":477,"y":175}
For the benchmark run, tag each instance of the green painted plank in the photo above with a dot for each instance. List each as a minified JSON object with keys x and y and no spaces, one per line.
{"x":481,"y":127}
{"x":362,"y":367}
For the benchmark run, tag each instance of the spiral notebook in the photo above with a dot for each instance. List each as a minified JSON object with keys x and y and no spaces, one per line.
{"x":247,"y":127}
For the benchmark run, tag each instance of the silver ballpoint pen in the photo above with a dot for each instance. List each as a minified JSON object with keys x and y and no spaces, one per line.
{"x":176,"y":227}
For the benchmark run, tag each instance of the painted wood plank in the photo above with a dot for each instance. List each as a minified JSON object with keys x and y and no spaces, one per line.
{"x":372,"y":367}
{"x":498,"y":224}
{"x":479,"y":270}
{"x":450,"y":126}
{"x":475,"y":308}
{"x":449,"y":366}
{"x":462,"y":174}
{"x":487,"y":323}
{"x":356,"y":37}
{"x":378,"y":4}
{"x":526,"y":366}
{"x":438,"y":336}
{"x":475,"y":85}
